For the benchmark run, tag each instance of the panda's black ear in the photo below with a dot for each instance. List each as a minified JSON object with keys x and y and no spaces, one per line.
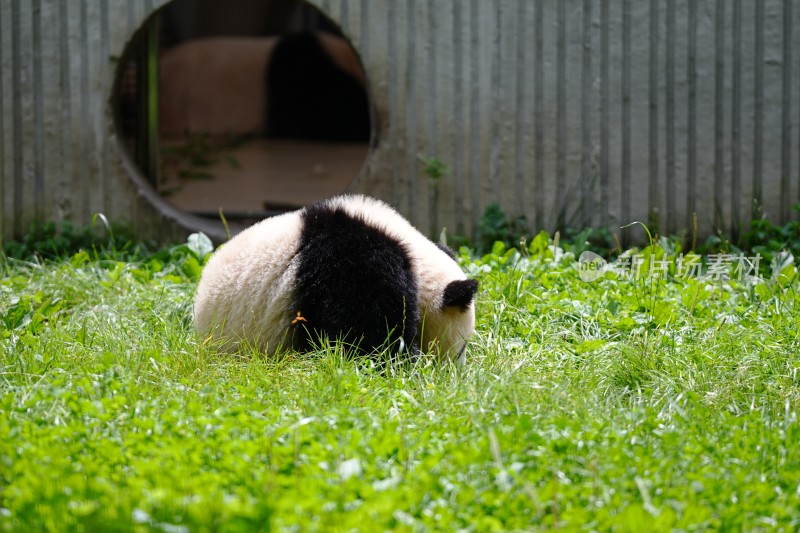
{"x":460,"y":293}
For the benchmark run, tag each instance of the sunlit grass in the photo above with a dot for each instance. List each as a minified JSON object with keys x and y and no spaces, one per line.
{"x":614,"y":404}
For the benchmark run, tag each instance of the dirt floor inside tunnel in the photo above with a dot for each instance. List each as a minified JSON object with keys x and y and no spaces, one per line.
{"x":250,"y":178}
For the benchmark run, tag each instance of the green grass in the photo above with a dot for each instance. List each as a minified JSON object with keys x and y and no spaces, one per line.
{"x":617,"y":404}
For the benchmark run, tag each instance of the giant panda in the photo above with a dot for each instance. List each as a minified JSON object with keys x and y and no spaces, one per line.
{"x":349,"y":268}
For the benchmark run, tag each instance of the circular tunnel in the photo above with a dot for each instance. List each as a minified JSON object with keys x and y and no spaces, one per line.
{"x":238,"y":113}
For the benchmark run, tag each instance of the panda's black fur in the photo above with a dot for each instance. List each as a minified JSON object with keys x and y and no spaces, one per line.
{"x":356,"y":285}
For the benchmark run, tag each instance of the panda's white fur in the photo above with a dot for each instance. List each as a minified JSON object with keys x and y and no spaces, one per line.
{"x":246,"y":292}
{"x":245,"y":289}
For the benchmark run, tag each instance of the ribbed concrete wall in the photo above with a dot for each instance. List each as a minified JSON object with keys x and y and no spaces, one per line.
{"x":572,"y":112}
{"x":61,"y":158}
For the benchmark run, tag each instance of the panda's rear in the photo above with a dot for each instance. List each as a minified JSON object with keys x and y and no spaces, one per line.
{"x":354,"y":283}
{"x":349,"y":269}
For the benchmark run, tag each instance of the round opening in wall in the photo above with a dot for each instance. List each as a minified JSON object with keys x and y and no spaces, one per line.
{"x":244,"y":109}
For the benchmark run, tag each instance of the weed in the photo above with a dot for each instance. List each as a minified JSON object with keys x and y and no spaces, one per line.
{"x":436,"y":170}
{"x":52,"y":240}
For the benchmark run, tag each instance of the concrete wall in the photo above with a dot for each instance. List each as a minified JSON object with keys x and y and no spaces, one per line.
{"x":572,"y":112}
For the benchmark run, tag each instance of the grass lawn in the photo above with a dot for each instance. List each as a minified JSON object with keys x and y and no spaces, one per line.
{"x":622,"y":403}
